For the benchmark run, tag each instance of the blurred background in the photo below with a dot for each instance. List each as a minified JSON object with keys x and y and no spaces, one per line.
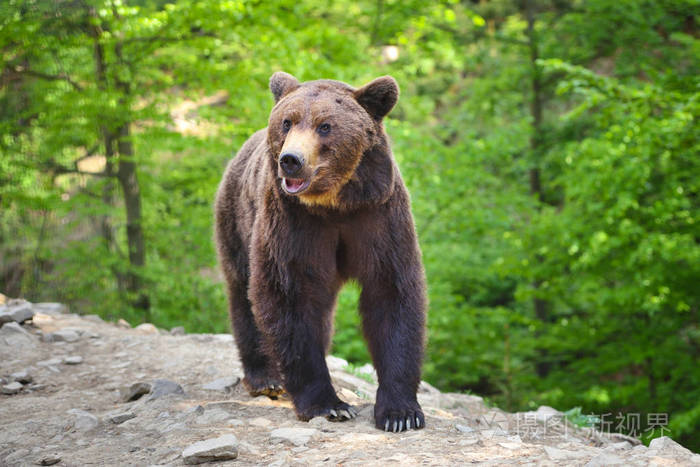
{"x":551,"y":148}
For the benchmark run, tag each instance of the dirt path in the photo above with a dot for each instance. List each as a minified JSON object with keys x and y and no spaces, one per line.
{"x":71,"y":409}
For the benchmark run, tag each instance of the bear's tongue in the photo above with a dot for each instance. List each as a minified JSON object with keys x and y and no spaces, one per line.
{"x":293,"y":184}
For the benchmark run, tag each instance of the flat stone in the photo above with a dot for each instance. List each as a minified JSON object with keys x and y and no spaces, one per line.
{"x":22,"y":376}
{"x":18,"y":314}
{"x":666,"y":447}
{"x":73,"y":360}
{"x":146,"y":328}
{"x":134,"y":391}
{"x":296,"y":436}
{"x":261,"y":422}
{"x":211,"y":450}
{"x":12,"y":388}
{"x":605,"y":459}
{"x":119,"y":418}
{"x":511,"y":445}
{"x":178,"y":331}
{"x":51,"y":459}
{"x":16,"y":457}
{"x":222,"y":384}
{"x":15,"y":336}
{"x":164,"y":387}
{"x":464,"y":428}
{"x":50,"y":362}
{"x":556,"y":454}
{"x":223,"y":338}
{"x":62,"y":335}
{"x":212,"y":416}
{"x":84,"y":421}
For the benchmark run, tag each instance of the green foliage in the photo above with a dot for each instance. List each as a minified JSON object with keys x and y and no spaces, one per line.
{"x":580,"y":292}
{"x":580,"y":419}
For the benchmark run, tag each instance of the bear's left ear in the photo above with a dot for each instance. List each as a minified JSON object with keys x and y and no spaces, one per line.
{"x":379,"y":96}
{"x":282,"y":83}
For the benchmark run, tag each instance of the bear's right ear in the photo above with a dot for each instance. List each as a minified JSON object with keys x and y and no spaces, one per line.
{"x":282,"y":83}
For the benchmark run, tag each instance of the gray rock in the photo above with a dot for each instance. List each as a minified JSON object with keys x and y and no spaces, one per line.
{"x":50,"y":459}
{"x":50,"y":362}
{"x":223,"y":384}
{"x":135,"y":391}
{"x":464,"y":428}
{"x":427,"y":388}
{"x":62,"y":335}
{"x":146,"y":328}
{"x":124,"y":324}
{"x":666,"y":447}
{"x":16,"y":457}
{"x":22,"y":376}
{"x":224,"y":338}
{"x":212,"y":416}
{"x":84,"y":421}
{"x":49,"y":308}
{"x":296,"y":436}
{"x":196,"y":410}
{"x":73,"y":360}
{"x":164,"y":387}
{"x":178,"y":331}
{"x":605,"y":459}
{"x":336,"y":363}
{"x":18,"y":313}
{"x":556,"y":454}
{"x":211,"y":450}
{"x":119,"y":418}
{"x":12,"y":388}
{"x":264,"y":422}
{"x":16,"y":337}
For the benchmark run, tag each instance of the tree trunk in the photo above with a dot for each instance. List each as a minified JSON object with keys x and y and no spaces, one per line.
{"x":108,"y":140}
{"x":127,"y":176}
{"x":128,"y":180}
{"x":539,"y":305}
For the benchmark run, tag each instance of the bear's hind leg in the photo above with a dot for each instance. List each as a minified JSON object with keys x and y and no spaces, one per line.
{"x":298,"y":329}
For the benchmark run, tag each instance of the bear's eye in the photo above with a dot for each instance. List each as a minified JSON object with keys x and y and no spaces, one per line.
{"x":286,"y":125}
{"x":324,"y":128}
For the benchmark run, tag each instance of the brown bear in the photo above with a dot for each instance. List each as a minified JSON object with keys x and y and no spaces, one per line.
{"x":309,"y":202}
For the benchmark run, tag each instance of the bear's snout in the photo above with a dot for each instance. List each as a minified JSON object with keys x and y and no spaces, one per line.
{"x":291,"y":163}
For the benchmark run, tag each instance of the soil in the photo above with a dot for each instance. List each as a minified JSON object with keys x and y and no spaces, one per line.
{"x":74,"y":412}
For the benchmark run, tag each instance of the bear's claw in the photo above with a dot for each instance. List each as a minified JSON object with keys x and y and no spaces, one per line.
{"x":397,"y":421}
{"x":270,"y":388}
{"x":340,"y":413}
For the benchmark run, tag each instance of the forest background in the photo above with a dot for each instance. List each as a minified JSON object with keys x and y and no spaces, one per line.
{"x":550,"y":148}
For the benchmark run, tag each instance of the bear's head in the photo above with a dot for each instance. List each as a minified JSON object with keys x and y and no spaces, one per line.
{"x":320,"y":132}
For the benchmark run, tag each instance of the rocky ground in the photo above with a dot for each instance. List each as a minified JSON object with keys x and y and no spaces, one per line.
{"x":80,"y":391}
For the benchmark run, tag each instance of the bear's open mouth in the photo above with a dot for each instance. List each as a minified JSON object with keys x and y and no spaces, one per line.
{"x":295,"y":185}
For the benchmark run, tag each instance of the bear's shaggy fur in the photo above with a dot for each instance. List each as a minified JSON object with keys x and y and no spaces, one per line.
{"x":309,"y":202}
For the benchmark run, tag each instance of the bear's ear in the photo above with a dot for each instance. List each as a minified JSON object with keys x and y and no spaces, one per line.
{"x":379,"y":96}
{"x":282,"y":83}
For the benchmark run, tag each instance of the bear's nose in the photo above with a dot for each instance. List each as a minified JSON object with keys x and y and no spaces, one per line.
{"x":290,"y":163}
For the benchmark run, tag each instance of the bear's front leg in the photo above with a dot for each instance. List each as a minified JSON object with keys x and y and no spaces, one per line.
{"x":393,"y":323}
{"x":293,"y":309}
{"x":393,"y":307}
